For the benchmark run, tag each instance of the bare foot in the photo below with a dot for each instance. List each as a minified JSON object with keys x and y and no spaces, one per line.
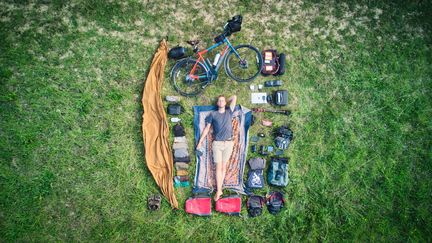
{"x":217,"y":196}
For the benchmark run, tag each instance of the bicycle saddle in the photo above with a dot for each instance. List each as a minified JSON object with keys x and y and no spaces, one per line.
{"x":193,"y":42}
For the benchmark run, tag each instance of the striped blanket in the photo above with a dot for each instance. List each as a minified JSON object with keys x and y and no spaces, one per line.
{"x":205,"y":174}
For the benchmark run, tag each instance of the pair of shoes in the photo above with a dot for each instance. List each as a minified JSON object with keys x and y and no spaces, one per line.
{"x":154,"y":202}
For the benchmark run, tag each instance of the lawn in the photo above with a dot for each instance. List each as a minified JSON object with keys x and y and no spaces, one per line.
{"x":359,"y":75}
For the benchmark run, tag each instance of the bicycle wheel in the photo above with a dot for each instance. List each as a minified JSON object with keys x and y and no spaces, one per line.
{"x":246,"y":66}
{"x":181,"y":80}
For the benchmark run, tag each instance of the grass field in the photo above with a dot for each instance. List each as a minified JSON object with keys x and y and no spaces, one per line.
{"x":71,"y":151}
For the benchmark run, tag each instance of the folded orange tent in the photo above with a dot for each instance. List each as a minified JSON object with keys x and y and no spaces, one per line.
{"x":155,"y":128}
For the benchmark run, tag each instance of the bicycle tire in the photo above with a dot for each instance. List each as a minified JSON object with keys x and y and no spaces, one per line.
{"x":177,"y":78}
{"x":259,"y":63}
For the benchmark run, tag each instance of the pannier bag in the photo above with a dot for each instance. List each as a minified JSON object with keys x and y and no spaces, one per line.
{"x":230,"y":205}
{"x":274,"y":64}
{"x":200,"y":206}
{"x":177,"y":52}
{"x":256,"y":173}
{"x":275,"y":202}
{"x":255,"y":205}
{"x":174,"y":109}
{"x":278,"y":172}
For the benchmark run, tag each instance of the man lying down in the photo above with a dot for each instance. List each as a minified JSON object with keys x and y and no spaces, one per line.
{"x":222,"y":146}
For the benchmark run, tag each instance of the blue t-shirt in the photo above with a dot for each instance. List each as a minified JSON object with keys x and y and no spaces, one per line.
{"x":222,"y":124}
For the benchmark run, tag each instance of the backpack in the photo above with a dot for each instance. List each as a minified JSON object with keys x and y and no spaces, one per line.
{"x":284,"y":137}
{"x":274,"y":64}
{"x":277,"y":174}
{"x":256,"y":174}
{"x":275,"y":202}
{"x":254,"y":205}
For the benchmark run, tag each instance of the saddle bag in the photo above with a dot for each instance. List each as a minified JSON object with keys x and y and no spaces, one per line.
{"x":200,"y":206}
{"x":230,"y":205}
{"x":177,"y":52}
{"x":278,"y":172}
{"x":255,"y":205}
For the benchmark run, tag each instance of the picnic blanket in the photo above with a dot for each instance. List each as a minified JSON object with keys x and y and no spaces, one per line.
{"x":205,"y":174}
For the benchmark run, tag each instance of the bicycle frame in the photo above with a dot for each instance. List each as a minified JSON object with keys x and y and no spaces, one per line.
{"x":213,"y":70}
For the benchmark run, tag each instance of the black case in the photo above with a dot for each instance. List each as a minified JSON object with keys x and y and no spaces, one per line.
{"x":174,"y":109}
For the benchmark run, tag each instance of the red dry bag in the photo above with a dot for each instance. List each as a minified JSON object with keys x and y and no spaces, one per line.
{"x":229,"y":205}
{"x":200,"y":206}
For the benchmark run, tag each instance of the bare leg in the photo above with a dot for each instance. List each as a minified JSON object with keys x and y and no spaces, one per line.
{"x":219,"y":179}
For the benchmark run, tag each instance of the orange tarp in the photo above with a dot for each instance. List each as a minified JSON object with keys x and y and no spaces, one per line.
{"x":155,"y":128}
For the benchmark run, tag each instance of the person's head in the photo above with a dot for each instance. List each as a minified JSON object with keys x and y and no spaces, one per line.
{"x":221,"y":101}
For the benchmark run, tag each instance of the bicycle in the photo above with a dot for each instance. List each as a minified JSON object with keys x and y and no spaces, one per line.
{"x":242,"y":63}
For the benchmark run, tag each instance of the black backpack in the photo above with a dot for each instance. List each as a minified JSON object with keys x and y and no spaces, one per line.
{"x":255,"y":205}
{"x":275,"y":202}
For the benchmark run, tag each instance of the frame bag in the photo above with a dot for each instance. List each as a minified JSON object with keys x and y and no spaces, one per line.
{"x":256,"y":173}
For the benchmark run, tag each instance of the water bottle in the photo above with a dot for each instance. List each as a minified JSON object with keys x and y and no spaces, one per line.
{"x":175,"y":119}
{"x":216,"y":60}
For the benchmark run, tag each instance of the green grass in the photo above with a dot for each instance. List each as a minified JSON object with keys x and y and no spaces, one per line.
{"x":71,"y":151}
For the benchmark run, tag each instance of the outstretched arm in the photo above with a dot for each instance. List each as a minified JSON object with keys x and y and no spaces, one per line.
{"x":203,"y":135}
{"x":233,"y":102}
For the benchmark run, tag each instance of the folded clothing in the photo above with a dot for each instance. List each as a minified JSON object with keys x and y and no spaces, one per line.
{"x":182,"y":172}
{"x":181,"y":184}
{"x":182,"y":159}
{"x":181,"y":166}
{"x":180,"y":145}
{"x":179,"y":130}
{"x":181,"y":178}
{"x":257,"y":163}
{"x":180,"y":139}
{"x":179,"y":153}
